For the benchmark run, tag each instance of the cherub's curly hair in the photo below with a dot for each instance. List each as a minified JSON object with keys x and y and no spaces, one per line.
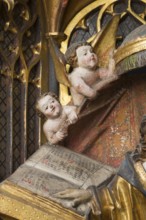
{"x":52,"y":94}
{"x":70,"y":54}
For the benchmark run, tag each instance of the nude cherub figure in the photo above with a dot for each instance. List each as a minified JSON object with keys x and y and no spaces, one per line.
{"x":58,"y":117}
{"x":87,"y":78}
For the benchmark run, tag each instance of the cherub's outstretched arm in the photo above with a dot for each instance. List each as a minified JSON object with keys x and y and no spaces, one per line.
{"x":104,"y":82}
{"x":82,"y":88}
{"x":71,"y":112}
{"x":109,"y":71}
{"x":107,"y":75}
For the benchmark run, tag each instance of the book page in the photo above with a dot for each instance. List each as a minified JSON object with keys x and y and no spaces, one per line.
{"x":39,"y":182}
{"x":68,"y":165}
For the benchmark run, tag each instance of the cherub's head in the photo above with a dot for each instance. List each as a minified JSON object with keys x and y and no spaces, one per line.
{"x":49,"y":105}
{"x":81,"y":55}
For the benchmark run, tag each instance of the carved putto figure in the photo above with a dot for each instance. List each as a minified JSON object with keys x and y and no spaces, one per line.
{"x":58,"y":117}
{"x":89,"y":71}
{"x":86,"y":77}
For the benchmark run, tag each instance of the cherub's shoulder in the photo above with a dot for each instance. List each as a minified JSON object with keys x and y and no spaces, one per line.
{"x":75,"y":72}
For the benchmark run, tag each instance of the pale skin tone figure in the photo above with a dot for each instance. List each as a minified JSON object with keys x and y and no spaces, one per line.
{"x":58,"y":117}
{"x":86,"y":78}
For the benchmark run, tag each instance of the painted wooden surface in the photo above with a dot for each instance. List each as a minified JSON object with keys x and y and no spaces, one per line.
{"x":119,"y":131}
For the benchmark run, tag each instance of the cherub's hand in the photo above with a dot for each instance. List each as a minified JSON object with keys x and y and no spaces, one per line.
{"x":72,"y":117}
{"x":61,"y":134}
{"x":93,"y":95}
{"x":58,"y":136}
{"x":114,"y":77}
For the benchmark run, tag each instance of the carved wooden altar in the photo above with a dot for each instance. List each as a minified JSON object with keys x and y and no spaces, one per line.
{"x":29,"y":67}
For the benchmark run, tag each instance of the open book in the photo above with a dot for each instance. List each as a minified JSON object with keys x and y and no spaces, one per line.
{"x":55,"y":168}
{"x":52,"y":169}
